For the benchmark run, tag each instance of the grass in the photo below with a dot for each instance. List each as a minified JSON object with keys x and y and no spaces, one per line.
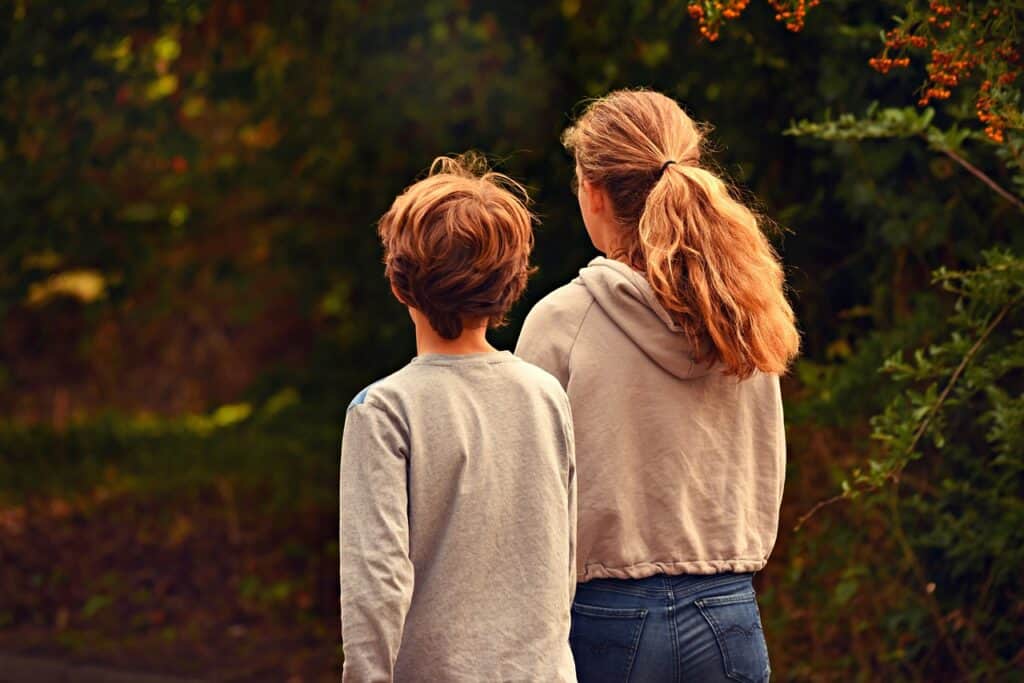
{"x":157,"y":457}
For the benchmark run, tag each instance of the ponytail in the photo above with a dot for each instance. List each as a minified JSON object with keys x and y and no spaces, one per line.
{"x":716,"y":274}
{"x":702,"y":251}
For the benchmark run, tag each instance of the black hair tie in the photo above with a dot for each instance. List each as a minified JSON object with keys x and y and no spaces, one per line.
{"x":664,"y":166}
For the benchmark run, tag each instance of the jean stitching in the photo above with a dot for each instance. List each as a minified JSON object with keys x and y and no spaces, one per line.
{"x":609,"y":612}
{"x":722,"y":600}
{"x":730,"y":670}
{"x":717,"y":581}
{"x":636,"y":645}
{"x":719,"y":640}
{"x":638,"y":592}
{"x":639,"y":615}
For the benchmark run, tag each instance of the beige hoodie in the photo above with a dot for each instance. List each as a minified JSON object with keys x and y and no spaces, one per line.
{"x":680,"y":468}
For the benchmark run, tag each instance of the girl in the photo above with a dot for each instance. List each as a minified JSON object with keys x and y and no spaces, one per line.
{"x":669,"y":348}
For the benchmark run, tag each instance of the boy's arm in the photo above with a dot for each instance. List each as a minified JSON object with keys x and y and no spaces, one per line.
{"x":376,"y":571}
{"x":572,"y":519}
{"x":570,"y":450}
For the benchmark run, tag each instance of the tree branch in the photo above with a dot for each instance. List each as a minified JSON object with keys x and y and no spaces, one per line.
{"x":952,"y":382}
{"x":983,"y":177}
{"x":923,"y":427}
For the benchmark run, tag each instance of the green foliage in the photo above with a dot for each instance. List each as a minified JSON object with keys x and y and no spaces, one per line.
{"x":876,"y":123}
{"x":1012,"y":155}
{"x":957,"y":433}
{"x":949,"y":468}
{"x":889,"y":122}
{"x":957,"y":375}
{"x":909,"y":122}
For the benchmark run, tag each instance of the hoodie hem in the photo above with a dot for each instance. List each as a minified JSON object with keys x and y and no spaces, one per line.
{"x":642,"y":570}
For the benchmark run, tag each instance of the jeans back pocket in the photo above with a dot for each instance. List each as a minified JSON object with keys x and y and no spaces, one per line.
{"x":736,"y":623}
{"x":604,"y":642}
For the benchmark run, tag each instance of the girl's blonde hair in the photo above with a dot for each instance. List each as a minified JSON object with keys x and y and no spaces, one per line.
{"x":703,"y":251}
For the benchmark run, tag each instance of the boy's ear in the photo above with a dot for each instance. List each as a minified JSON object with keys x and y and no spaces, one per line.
{"x":398,"y":296}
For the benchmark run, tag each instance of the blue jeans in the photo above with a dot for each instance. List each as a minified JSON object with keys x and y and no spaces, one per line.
{"x":668,"y":628}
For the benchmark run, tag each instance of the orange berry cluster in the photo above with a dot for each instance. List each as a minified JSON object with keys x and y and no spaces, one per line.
{"x":945,"y":71}
{"x":1007,"y":78}
{"x":733,"y":10}
{"x":897,"y":40}
{"x":710,"y":14}
{"x":1008,"y":53}
{"x":959,"y":37}
{"x":986,"y":107}
{"x":940,"y":13}
{"x":934,"y":94}
{"x":792,"y":12}
{"x":885,"y":64}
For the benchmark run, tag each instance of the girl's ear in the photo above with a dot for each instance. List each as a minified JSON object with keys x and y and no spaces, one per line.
{"x":594,"y":195}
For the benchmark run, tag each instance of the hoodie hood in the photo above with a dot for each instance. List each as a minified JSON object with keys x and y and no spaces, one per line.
{"x":627,"y":299}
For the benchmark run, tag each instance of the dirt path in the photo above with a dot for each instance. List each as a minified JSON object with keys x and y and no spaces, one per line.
{"x":15,"y":669}
{"x":185,"y":587}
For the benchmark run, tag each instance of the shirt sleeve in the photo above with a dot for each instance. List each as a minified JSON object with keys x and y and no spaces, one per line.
{"x":376,"y":570}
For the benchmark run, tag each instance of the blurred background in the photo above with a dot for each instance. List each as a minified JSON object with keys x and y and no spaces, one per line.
{"x":191,"y":292}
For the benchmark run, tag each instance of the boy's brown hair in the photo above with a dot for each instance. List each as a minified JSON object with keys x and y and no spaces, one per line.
{"x":457,"y":244}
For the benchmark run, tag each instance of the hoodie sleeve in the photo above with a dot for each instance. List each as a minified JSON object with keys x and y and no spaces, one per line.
{"x":376,"y":570}
{"x":551,"y":328}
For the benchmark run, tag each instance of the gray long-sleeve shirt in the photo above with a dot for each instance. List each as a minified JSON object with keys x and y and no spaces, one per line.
{"x":457,"y":521}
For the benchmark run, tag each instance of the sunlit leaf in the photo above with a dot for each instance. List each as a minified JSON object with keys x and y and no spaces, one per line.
{"x":85,"y":285}
{"x":162,"y":87}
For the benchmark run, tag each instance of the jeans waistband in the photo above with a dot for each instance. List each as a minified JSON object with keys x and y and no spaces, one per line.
{"x":661,"y":584}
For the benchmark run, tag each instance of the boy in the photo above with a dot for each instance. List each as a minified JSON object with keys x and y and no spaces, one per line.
{"x":457,"y":472}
